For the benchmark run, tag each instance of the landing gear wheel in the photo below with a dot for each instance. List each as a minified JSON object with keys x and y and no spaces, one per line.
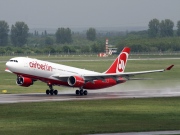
{"x":81,"y":92}
{"x":55,"y":92}
{"x":85,"y":92}
{"x":77,"y":92}
{"x":47,"y":92}
{"x":51,"y":92}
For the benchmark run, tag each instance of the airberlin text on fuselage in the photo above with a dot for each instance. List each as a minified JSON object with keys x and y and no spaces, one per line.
{"x":37,"y":65}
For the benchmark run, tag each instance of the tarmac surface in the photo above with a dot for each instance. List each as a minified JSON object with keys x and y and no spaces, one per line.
{"x":92,"y":95}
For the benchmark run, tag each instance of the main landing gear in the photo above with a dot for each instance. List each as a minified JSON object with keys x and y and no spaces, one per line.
{"x":81,"y":92}
{"x":51,"y":91}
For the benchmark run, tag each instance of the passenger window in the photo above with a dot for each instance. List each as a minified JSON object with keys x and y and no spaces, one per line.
{"x":13,"y":61}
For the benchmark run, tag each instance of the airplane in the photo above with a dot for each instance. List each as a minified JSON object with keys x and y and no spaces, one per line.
{"x":29,"y":70}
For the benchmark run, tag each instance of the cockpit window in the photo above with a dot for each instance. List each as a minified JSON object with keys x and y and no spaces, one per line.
{"x":13,"y":61}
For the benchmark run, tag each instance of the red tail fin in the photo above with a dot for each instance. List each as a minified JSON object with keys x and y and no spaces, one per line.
{"x":119,"y":64}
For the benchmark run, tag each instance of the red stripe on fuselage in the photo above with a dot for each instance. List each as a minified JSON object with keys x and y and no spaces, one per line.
{"x":96,"y":84}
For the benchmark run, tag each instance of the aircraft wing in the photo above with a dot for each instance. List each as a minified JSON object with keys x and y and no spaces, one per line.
{"x":102,"y":76}
{"x":126,"y":75}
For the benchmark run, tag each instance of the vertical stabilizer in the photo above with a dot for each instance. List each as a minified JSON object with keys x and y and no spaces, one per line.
{"x":119,"y":64}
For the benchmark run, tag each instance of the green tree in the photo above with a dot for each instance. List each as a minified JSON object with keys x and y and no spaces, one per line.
{"x":2,"y":50}
{"x":85,"y":48}
{"x":91,"y":34}
{"x":49,"y":49}
{"x":178,"y":28}
{"x":49,"y":41}
{"x":36,"y":33}
{"x":166,"y":28}
{"x":68,"y":35}
{"x":94,"y":48}
{"x":4,"y":29}
{"x":45,"y":33}
{"x":19,"y":34}
{"x":63,"y":35}
{"x":66,"y":49}
{"x":153,"y":28}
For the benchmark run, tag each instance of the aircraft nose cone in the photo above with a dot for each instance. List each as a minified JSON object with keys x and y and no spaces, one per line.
{"x":8,"y":66}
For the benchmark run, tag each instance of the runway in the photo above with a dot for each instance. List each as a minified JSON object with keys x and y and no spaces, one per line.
{"x":92,"y":95}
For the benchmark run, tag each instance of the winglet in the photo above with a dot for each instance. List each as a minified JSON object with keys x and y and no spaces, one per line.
{"x":169,"y":68}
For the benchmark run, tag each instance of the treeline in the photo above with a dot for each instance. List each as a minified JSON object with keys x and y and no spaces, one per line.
{"x":165,"y":44}
{"x":95,"y":47}
{"x":19,"y":34}
{"x":163,"y":28}
{"x":159,"y":37}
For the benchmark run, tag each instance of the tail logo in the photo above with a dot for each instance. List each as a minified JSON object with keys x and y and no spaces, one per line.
{"x":122,"y":62}
{"x":119,"y":64}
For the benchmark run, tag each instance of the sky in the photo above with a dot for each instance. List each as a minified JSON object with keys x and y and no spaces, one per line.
{"x":88,"y":13}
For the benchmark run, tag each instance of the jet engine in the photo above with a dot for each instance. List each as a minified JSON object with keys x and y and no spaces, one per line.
{"x":24,"y":81}
{"x":76,"y":81}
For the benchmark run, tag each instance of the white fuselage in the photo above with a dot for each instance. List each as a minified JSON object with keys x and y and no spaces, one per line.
{"x":43,"y":69}
{"x":57,"y":74}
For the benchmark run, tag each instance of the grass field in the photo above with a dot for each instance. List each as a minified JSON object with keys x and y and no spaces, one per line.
{"x":98,"y":116}
{"x":89,"y":117}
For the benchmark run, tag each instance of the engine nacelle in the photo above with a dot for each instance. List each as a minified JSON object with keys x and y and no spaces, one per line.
{"x":24,"y":81}
{"x":76,"y":81}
